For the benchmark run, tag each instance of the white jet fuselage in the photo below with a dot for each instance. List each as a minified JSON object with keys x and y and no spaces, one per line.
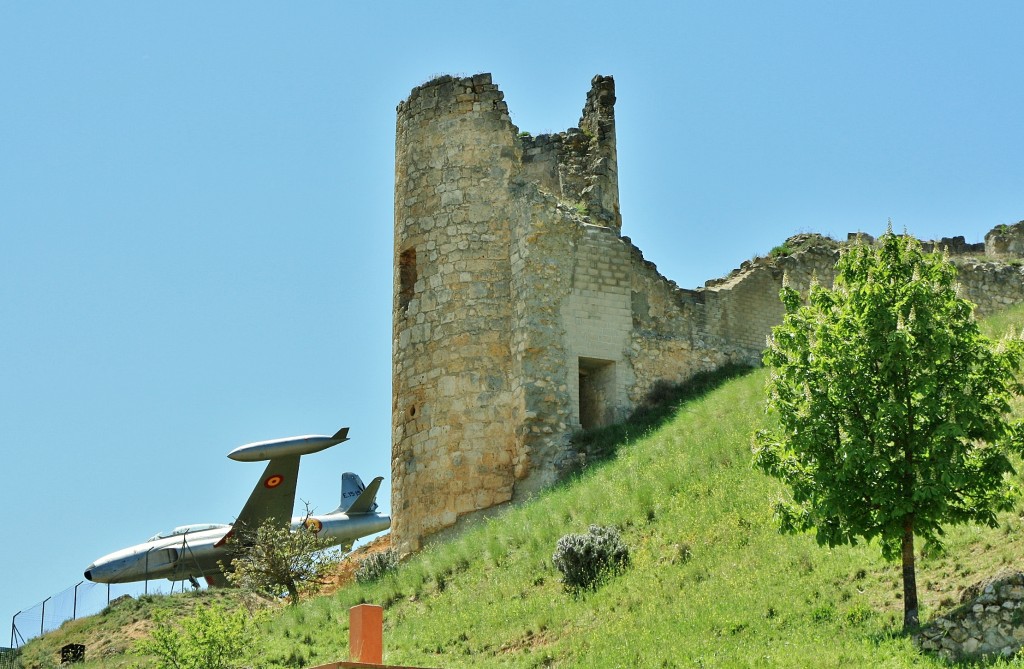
{"x":197,"y":553}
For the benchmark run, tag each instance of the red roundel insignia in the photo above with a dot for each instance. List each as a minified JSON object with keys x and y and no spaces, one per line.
{"x":273,"y":481}
{"x":314,"y":525}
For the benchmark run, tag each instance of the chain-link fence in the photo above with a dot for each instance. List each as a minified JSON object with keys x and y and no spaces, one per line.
{"x":82,"y":599}
{"x":86,"y":598}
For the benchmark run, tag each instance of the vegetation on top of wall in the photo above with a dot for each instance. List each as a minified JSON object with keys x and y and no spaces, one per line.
{"x":1005,"y":229}
{"x":792,"y":246}
{"x":807,"y":240}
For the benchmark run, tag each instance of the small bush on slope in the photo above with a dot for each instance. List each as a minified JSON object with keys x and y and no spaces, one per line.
{"x":376,"y":566}
{"x":585,"y":560}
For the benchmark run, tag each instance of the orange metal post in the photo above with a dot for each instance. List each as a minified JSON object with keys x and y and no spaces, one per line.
{"x":366,"y":634}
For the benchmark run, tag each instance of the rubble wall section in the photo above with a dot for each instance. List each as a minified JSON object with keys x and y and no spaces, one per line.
{"x":989,"y":622}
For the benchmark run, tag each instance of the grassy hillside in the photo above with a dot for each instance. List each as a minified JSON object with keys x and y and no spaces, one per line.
{"x":110,"y":635}
{"x":711,"y":582}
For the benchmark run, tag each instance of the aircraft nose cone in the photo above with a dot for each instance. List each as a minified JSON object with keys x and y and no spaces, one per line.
{"x":88,"y":574}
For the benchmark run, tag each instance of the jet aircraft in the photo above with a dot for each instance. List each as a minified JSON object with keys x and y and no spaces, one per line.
{"x":192,"y":551}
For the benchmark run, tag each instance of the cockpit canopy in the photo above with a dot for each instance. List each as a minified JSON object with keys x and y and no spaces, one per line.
{"x":188,"y":529}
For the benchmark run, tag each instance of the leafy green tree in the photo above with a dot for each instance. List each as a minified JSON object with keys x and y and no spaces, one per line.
{"x":213,"y":637}
{"x":891,"y":406}
{"x":274,"y":558}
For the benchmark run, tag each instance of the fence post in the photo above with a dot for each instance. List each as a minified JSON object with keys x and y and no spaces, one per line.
{"x":42,"y":616}
{"x":365,"y":634}
{"x":15,"y":634}
{"x":74,"y":602}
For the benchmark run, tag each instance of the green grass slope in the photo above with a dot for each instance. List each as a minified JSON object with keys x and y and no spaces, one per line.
{"x":711,"y":582}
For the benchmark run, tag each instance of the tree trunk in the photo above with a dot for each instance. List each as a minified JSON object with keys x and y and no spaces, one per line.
{"x":910,"y":613}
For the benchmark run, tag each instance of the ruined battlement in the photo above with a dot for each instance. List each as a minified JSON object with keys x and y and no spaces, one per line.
{"x":521,"y":314}
{"x":587,"y":160}
{"x":580,"y":165}
{"x":452,"y":95}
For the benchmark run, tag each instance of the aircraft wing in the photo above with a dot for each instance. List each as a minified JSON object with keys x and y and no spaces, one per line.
{"x":274,"y":495}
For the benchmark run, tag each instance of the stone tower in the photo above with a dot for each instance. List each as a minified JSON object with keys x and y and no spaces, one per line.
{"x":470,"y":349}
{"x":455,"y":158}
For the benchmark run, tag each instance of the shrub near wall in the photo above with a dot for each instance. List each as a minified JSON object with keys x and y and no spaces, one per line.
{"x":585,"y":560}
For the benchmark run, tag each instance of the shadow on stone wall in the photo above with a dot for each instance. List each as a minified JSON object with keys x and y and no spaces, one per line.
{"x":660,"y":405}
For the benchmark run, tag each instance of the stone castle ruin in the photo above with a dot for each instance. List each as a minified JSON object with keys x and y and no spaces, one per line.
{"x":522,"y":315}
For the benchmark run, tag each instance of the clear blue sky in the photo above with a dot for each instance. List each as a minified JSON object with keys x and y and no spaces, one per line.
{"x":196,"y":207}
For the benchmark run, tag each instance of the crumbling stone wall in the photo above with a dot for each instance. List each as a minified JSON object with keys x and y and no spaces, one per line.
{"x":989,"y":621}
{"x":743,"y":307}
{"x":579,"y":165}
{"x":521,"y":314}
{"x":1005,"y":241}
{"x":990,"y":285}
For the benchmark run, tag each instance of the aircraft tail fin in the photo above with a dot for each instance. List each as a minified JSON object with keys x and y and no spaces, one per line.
{"x":357,"y":498}
{"x":341,"y":434}
{"x":351,"y":487}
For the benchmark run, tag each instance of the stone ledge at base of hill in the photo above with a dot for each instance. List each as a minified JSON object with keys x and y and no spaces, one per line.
{"x":988,"y":622}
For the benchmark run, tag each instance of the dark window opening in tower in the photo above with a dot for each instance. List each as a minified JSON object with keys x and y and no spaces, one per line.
{"x":406,"y":277}
{"x":597,"y":392}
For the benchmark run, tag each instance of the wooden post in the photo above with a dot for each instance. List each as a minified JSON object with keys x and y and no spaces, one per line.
{"x":366,"y":634}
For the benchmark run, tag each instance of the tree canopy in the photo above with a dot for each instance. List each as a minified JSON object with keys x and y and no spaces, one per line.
{"x":891,"y":405}
{"x":273,"y":558}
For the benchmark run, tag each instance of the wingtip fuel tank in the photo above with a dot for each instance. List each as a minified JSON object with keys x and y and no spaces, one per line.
{"x":280,"y":448}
